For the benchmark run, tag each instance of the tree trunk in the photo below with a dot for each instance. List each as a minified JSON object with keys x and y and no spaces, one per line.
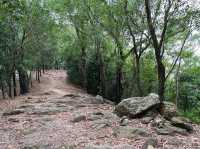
{"x":177,"y":84}
{"x":161,"y":80}
{"x":40,"y":72}
{"x":161,"y":84}
{"x":3,"y":90}
{"x":43,"y":68}
{"x":102,"y":78}
{"x":30,"y":79}
{"x":83,"y":68}
{"x":14,"y":84}
{"x":9,"y":82}
{"x":36,"y":75}
{"x":23,"y":81}
{"x":119,"y":88}
{"x":137,"y":75}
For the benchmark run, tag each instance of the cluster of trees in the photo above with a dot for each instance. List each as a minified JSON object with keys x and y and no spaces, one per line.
{"x":26,"y":43}
{"x":123,"y":48}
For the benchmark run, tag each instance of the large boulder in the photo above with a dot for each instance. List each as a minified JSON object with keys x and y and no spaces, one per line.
{"x":137,"y":106}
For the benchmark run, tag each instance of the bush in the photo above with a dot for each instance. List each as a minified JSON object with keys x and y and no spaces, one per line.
{"x":194,"y":114}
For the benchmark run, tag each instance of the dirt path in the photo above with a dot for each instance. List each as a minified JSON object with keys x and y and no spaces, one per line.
{"x":58,"y":115}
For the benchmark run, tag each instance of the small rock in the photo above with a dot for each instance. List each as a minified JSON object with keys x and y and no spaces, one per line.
{"x":164,"y":131}
{"x":178,"y":130}
{"x":146,"y":120}
{"x":180,"y":122}
{"x":91,"y":146}
{"x":129,"y":132}
{"x":99,"y":124}
{"x":13,"y":112}
{"x":79,"y":118}
{"x":121,"y":146}
{"x":95,"y":116}
{"x":168,"y":129}
{"x":124,"y":121}
{"x":158,"y":121}
{"x":150,"y":143}
{"x":99,"y":99}
{"x":13,"y":120}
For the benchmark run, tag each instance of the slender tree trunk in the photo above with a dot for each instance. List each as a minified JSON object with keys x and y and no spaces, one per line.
{"x":23,"y":81}
{"x":3,"y":89}
{"x":83,"y":68}
{"x":14,"y":84}
{"x":102,"y":78}
{"x":137,"y":75}
{"x":177,"y":84}
{"x":43,"y":68}
{"x":119,"y":88}
{"x":9,"y":82}
{"x":30,"y":79}
{"x":38,"y":74}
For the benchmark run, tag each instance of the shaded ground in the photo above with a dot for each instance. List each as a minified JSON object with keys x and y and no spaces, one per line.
{"x":44,"y":121}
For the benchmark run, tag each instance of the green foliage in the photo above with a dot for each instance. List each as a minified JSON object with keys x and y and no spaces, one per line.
{"x":193,"y":114}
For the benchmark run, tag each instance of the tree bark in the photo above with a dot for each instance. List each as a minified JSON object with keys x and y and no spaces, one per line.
{"x":14,"y":84}
{"x":23,"y":81}
{"x":9,"y":82}
{"x":137,"y":75}
{"x":3,"y":89}
{"x":83,"y":68}
{"x":177,"y":84}
{"x":119,"y":88}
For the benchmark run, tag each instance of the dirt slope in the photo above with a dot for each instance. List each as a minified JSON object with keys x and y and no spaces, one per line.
{"x":56,"y":115}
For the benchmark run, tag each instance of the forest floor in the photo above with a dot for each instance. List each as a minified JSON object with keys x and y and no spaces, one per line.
{"x":56,"y":114}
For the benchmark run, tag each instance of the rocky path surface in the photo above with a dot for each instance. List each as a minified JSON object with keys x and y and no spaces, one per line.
{"x":58,"y":115}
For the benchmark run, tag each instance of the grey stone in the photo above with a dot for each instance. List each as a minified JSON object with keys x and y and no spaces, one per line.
{"x":121,"y":146}
{"x":129,"y":132}
{"x":14,"y":112}
{"x":15,"y":120}
{"x":168,"y":129}
{"x":182,"y":123}
{"x":136,"y":106}
{"x":99,"y":124}
{"x":79,"y":118}
{"x":91,"y":146}
{"x":146,"y":120}
{"x":150,"y":143}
